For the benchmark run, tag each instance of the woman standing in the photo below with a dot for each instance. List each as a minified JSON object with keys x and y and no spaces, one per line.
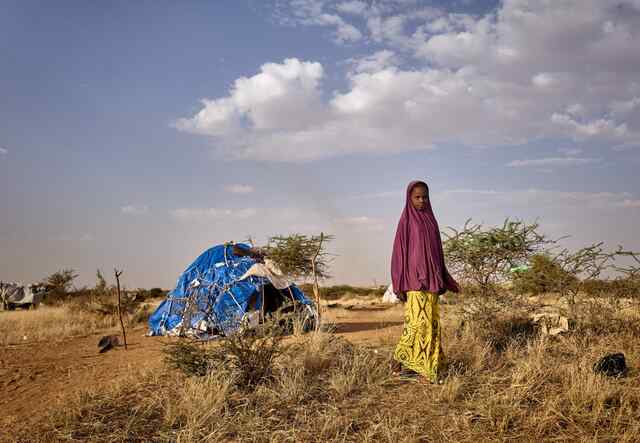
{"x":419,"y":276}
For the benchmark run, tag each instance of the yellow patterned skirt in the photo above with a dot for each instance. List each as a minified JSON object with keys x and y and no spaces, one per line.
{"x":420,"y":347}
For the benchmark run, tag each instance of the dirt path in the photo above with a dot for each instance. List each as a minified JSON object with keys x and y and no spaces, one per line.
{"x":34,"y":377}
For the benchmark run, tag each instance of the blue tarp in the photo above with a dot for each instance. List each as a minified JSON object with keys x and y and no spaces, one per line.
{"x":208,"y":293}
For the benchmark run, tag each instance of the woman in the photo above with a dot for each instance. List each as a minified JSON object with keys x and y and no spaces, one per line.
{"x":419,"y":276}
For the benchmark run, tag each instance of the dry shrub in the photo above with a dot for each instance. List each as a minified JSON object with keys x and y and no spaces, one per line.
{"x":500,"y":321}
{"x":189,"y":358}
{"x":329,"y":367}
{"x":604,"y":317}
{"x":323,"y":388}
{"x":246,"y":357}
{"x":545,"y":390}
{"x":303,"y":399}
{"x":104,"y":304}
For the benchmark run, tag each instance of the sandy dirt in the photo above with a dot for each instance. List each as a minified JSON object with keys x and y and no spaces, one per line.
{"x":35,"y":377}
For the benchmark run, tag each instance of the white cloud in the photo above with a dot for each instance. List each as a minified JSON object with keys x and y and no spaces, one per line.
{"x":313,"y":13}
{"x":594,"y":128}
{"x":134,"y":210}
{"x":553,"y":161}
{"x":389,"y":29}
{"x":464,"y":41}
{"x":354,"y":7}
{"x":344,"y":31}
{"x":624,"y":107}
{"x":475,"y":80}
{"x":239,"y":189}
{"x":375,"y":62}
{"x":4,"y":151}
{"x":205,"y":214}
{"x":543,"y":79}
{"x":281,"y":97}
{"x":576,"y":109}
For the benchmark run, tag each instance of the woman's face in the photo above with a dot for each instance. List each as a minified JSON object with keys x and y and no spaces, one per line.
{"x":419,"y":197}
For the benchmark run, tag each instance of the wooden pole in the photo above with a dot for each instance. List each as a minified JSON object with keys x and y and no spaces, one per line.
{"x":316,"y":289}
{"x":262,"y":304}
{"x":124,"y":334}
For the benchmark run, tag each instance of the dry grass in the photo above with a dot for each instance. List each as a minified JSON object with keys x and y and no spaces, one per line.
{"x":58,"y":322}
{"x":504,"y":383}
{"x":47,"y":323}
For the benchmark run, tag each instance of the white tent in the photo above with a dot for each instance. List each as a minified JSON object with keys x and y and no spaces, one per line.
{"x":390,"y":296}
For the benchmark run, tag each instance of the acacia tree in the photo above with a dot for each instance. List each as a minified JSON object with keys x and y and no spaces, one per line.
{"x":631,"y":271}
{"x":59,"y":283}
{"x":294,"y":254}
{"x":301,"y":257}
{"x":483,"y":256}
{"x":588,"y":264}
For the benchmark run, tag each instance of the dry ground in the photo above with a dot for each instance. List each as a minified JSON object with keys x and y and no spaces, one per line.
{"x":504,"y":383}
{"x":42,"y":372}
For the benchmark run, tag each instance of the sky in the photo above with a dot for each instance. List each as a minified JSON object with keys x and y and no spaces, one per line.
{"x":138,"y":134}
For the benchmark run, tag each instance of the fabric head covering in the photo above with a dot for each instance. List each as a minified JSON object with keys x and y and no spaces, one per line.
{"x":417,"y":261}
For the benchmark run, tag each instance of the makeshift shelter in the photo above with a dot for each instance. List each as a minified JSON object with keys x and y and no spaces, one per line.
{"x":13,"y":295}
{"x":228,"y":287}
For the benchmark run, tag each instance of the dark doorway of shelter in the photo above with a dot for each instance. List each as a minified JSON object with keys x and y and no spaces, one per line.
{"x":280,"y":305}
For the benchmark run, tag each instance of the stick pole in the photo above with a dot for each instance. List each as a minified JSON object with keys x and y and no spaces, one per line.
{"x":316,"y":289}
{"x":124,"y":334}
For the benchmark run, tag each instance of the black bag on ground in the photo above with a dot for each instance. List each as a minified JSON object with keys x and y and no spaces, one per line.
{"x":612,"y":365}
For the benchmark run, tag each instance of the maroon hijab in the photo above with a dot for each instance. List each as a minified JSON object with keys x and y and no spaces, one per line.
{"x":417,"y":262}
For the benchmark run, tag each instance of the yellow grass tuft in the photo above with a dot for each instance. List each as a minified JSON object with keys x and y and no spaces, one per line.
{"x":504,"y":383}
{"x":47,"y":322}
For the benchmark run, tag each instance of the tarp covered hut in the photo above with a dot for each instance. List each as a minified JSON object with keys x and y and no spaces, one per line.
{"x":225,"y":288}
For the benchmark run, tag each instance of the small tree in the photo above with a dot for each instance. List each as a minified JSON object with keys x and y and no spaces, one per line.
{"x":301,"y":257}
{"x":101,"y":282}
{"x":59,"y":283}
{"x":483,"y":256}
{"x":544,"y":275}
{"x":294,"y":254}
{"x":583,"y":265}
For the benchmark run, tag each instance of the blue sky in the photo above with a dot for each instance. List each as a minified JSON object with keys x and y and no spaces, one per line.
{"x":137,"y":134}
